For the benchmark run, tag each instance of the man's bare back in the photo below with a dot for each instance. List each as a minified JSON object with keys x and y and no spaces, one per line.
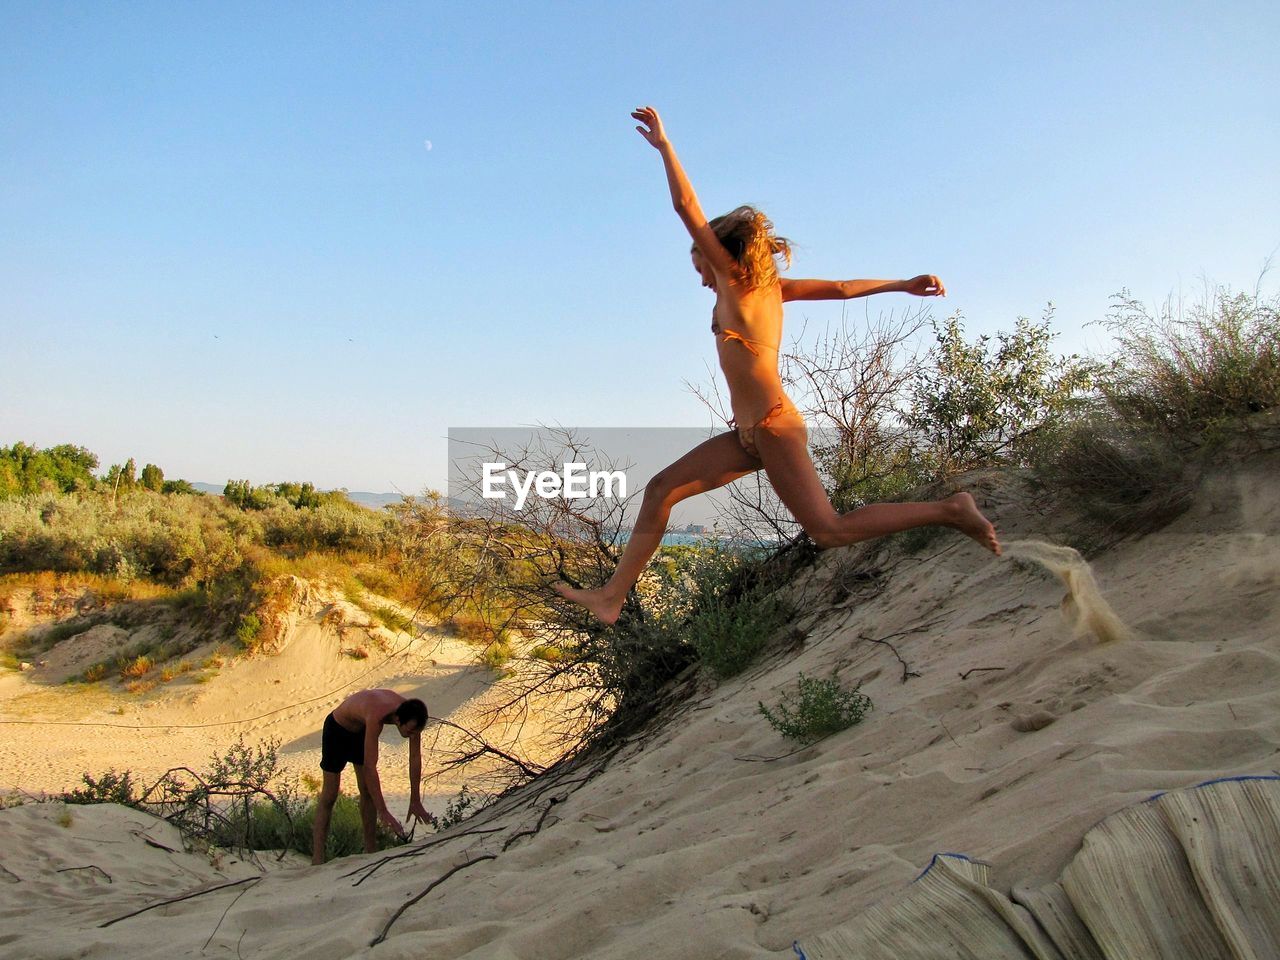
{"x":366,"y":707}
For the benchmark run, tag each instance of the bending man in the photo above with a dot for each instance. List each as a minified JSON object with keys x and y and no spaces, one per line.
{"x":351,"y":736}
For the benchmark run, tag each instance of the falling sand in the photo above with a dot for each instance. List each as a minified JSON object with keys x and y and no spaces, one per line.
{"x":1084,"y":606}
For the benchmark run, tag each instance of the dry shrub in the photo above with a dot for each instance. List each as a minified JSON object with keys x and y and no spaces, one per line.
{"x":1124,"y":476}
{"x":139,"y":666}
{"x":1183,"y":370}
{"x":473,"y":628}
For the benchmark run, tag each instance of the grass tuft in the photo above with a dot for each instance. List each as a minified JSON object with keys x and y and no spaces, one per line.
{"x":1185,"y":371}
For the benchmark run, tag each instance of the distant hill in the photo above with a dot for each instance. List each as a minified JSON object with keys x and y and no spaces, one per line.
{"x":375,"y":500}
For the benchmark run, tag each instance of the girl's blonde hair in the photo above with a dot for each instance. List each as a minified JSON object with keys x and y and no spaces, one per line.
{"x":748,"y":236}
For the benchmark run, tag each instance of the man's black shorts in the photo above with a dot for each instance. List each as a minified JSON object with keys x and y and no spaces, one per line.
{"x":339,"y":746}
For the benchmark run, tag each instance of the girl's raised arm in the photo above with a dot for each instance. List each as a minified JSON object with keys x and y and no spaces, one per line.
{"x":682,"y":195}
{"x":925,"y":285}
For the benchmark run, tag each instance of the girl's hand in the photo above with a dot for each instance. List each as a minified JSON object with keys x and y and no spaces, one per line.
{"x":925,"y":285}
{"x":649,"y":116}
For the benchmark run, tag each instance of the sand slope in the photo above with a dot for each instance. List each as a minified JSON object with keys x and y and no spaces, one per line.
{"x":710,"y":836}
{"x":68,"y":730}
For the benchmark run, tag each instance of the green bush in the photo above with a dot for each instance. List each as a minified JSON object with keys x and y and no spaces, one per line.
{"x":110,"y":787}
{"x":496,"y":654}
{"x":704,"y":606}
{"x":240,"y":802}
{"x":248,"y":631}
{"x":1186,"y":371}
{"x":819,"y":708}
{"x":967,"y":404}
{"x":973,"y":406}
{"x":288,"y":825}
{"x":464,"y":805}
{"x":729,"y":631}
{"x":25,"y":470}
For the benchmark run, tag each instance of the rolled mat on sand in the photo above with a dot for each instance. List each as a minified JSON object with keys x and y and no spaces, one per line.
{"x":1188,"y":873}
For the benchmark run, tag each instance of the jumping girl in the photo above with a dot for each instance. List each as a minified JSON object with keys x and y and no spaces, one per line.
{"x":735,"y":256}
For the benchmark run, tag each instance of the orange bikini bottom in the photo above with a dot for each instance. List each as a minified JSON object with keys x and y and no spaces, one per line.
{"x":747,"y":435}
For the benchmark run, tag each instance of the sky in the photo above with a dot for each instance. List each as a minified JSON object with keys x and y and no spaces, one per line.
{"x":297,"y":241}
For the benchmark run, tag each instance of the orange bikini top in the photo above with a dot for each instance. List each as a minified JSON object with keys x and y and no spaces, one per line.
{"x":751,"y":345}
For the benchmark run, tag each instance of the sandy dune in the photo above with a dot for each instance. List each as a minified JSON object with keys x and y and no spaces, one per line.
{"x":999,"y":731}
{"x":68,"y":730}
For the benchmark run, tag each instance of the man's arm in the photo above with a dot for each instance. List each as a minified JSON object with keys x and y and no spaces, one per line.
{"x":372,"y":727}
{"x":415,"y":779}
{"x":925,"y":285}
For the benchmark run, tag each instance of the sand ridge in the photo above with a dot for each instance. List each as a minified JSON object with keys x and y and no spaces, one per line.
{"x":709,"y":835}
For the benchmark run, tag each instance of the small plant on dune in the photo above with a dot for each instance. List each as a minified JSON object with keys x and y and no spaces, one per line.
{"x":248,"y":631}
{"x":110,"y":787}
{"x":473,"y":628}
{"x":174,"y":670}
{"x":353,"y":592}
{"x":359,"y":652}
{"x":819,"y":709}
{"x":393,"y":619}
{"x":139,"y":666}
{"x":548,"y":653}
{"x":497,"y":654}
{"x":95,"y":672}
{"x":464,"y":805}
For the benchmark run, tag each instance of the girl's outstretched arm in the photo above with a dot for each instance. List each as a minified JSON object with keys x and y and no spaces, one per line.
{"x":925,"y":285}
{"x":682,"y":196}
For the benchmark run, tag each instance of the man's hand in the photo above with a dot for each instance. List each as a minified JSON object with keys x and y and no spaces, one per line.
{"x":419,"y":813}
{"x":925,"y":285}
{"x":649,"y":116}
{"x":391,"y":823}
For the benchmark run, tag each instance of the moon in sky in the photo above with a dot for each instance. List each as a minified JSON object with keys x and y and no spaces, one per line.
{"x":427,"y":143}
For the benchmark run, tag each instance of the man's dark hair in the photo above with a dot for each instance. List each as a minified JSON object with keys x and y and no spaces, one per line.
{"x":414,"y":710}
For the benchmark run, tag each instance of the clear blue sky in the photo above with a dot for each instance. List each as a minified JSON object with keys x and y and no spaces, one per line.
{"x":226,"y":248}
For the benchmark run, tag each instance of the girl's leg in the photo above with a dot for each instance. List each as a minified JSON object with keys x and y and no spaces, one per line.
{"x":784,"y":448}
{"x":707,"y":466}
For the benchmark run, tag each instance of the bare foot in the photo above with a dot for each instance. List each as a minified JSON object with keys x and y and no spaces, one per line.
{"x":970,"y":521}
{"x":604,"y":607}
